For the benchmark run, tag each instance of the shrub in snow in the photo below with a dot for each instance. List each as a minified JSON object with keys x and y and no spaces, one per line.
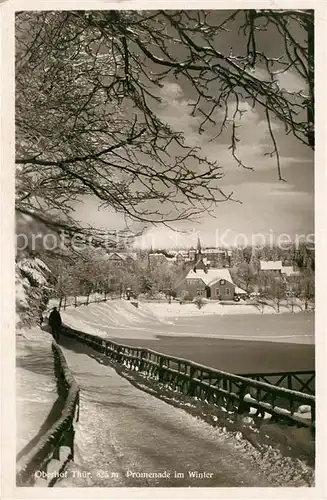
{"x":199,"y":302}
{"x":34,"y":270}
{"x":32,"y":290}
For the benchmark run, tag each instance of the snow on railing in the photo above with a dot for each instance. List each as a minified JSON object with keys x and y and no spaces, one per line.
{"x":301,"y":381}
{"x":217,"y":387}
{"x":58,"y":442}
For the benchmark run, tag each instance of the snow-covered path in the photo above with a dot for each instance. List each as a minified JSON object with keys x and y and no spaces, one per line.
{"x":36,"y":387}
{"x":124,"y":432}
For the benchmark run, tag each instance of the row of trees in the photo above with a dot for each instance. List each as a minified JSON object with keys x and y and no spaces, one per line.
{"x":298,"y":291}
{"x":91,"y":271}
{"x":298,"y":255}
{"x":275,"y":287}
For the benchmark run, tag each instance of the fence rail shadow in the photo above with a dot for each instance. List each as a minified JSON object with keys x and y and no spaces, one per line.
{"x":60,"y":434}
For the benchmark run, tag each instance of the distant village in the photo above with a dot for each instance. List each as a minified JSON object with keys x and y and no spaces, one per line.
{"x":218,"y":274}
{"x":196,"y":274}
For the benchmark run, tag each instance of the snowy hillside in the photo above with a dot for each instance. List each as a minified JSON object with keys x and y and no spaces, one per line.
{"x":115,"y":314}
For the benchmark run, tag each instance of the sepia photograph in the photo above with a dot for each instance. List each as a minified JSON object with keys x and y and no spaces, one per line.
{"x":165,"y":248}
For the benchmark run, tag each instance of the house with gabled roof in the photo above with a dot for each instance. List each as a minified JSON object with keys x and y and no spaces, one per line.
{"x":276,"y":266}
{"x":215,"y":284}
{"x":271,"y":265}
{"x":120,"y":259}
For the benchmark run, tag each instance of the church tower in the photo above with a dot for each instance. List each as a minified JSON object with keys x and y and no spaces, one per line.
{"x":198,"y":259}
{"x":199,"y":249}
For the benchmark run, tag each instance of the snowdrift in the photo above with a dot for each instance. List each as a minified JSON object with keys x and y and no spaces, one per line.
{"x":102,"y":317}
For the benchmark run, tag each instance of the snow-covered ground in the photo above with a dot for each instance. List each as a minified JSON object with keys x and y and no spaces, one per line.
{"x":120,"y":319}
{"x":80,"y":300}
{"x":128,"y":438}
{"x":163,"y":310}
{"x":36,"y":390}
{"x":113,"y":314}
{"x":175,"y":309}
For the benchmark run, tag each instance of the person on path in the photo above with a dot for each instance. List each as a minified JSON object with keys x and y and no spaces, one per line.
{"x":55,"y":323}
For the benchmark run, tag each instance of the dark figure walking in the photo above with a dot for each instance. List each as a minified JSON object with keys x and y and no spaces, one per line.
{"x":55,"y":323}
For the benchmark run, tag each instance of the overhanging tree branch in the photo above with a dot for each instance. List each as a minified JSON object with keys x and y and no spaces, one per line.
{"x":88,"y":89}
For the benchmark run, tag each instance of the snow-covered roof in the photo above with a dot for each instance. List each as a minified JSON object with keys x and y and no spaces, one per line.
{"x":182,"y":253}
{"x":210,"y":276}
{"x":288,"y":270}
{"x":240,"y":291}
{"x":116,"y":254}
{"x":271,"y":265}
{"x":123,"y":256}
{"x":213,"y":250}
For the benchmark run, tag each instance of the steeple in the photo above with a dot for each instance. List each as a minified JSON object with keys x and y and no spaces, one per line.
{"x":199,"y":251}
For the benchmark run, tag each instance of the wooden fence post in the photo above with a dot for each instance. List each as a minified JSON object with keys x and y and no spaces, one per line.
{"x":289,"y":381}
{"x":243,"y":405}
{"x":142,"y":362}
{"x":119,"y":355}
{"x":161,"y":371}
{"x":191,"y":387}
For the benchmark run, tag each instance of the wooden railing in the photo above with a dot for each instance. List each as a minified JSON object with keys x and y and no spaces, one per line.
{"x":60,"y":434}
{"x":233,"y":392}
{"x":85,"y":300}
{"x":301,"y":381}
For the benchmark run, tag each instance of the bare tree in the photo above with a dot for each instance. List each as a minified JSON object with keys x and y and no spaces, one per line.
{"x":247,"y":276}
{"x":307,"y":287}
{"x":88,"y":105}
{"x":276,"y":290}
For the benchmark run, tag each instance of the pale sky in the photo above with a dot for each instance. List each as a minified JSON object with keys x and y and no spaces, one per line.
{"x":269,"y":206}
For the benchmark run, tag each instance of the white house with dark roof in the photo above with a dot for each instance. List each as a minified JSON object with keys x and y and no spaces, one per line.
{"x":271,"y":265}
{"x":289,"y":271}
{"x":215,"y":284}
{"x":277,"y":267}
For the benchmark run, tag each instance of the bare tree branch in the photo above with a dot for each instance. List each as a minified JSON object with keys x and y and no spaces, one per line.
{"x":88,"y":95}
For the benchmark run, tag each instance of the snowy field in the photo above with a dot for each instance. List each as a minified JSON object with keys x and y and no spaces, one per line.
{"x":120,"y":319}
{"x":36,"y":390}
{"x":164,"y":310}
{"x":177,"y":310}
{"x":239,"y":343}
